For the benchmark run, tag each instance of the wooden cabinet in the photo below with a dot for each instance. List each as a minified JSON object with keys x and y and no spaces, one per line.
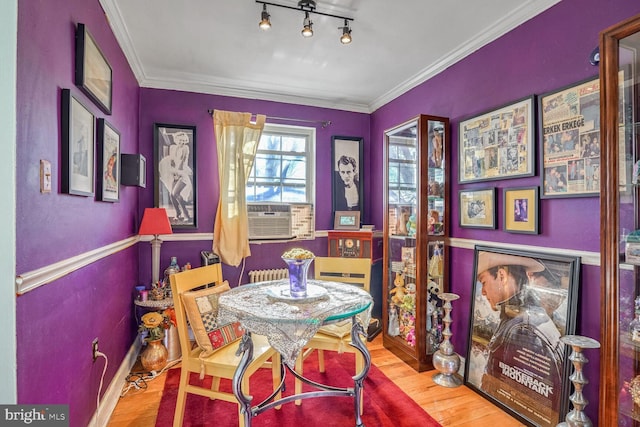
{"x":619,"y":239}
{"x":415,"y":256}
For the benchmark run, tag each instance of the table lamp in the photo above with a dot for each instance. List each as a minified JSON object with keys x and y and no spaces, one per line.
{"x":155,"y":222}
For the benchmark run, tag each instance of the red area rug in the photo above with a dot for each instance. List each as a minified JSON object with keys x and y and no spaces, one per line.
{"x":385,"y":404}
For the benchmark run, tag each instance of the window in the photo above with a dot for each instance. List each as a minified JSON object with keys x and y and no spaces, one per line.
{"x":284,"y":166}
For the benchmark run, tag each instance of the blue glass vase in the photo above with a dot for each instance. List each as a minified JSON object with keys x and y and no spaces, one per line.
{"x":298,"y":269}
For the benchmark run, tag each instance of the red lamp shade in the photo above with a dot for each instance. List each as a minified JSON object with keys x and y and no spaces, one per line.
{"x":155,"y":221}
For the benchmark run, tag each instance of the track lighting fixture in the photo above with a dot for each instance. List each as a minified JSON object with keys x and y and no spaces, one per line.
{"x":308,"y":7}
{"x":346,"y":33}
{"x":265,"y":22}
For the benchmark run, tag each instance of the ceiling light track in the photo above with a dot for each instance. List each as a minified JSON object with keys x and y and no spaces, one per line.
{"x":308,"y":7}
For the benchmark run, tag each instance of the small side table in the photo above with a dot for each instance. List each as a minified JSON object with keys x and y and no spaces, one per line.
{"x":170,"y":339}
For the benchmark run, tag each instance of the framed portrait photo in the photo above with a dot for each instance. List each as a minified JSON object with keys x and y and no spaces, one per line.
{"x":347,"y":183}
{"x":78,"y":146}
{"x":347,"y":220}
{"x":522,"y":303}
{"x":498,"y":144}
{"x":108,"y":179}
{"x":477,"y":208}
{"x":93,"y":73}
{"x":521,"y":212}
{"x":175,"y":173}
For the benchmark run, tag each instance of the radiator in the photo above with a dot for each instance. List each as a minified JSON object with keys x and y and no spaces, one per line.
{"x":273,"y":274}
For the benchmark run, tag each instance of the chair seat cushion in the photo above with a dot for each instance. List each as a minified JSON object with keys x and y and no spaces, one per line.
{"x":201,"y":307}
{"x":339,"y":329}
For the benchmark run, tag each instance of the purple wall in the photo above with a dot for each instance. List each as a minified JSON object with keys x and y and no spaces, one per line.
{"x":57,"y":322}
{"x":544,"y":54}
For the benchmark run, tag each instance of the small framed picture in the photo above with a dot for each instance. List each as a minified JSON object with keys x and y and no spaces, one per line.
{"x":78,"y":147}
{"x":347,"y":220}
{"x":108,"y":179}
{"x":521,"y":210}
{"x":478,"y":208}
{"x":93,"y":72}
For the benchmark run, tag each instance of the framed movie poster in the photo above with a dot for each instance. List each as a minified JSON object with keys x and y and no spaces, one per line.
{"x":522,"y":303}
{"x":477,"y":208}
{"x":175,"y":173}
{"x":347,"y":193}
{"x":498,"y":144}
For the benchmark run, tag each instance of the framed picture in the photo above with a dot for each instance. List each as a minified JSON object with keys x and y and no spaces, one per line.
{"x":346,"y":154}
{"x":175,"y":173}
{"x":346,"y":220}
{"x":521,"y":210}
{"x":522,"y":303}
{"x":498,"y":144}
{"x":477,"y":208}
{"x":78,"y":149}
{"x":93,"y":72}
{"x":108,"y":179}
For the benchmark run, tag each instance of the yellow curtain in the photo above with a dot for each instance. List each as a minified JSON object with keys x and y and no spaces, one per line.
{"x":237,"y":142}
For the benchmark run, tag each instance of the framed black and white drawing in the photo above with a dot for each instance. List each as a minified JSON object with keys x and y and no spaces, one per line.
{"x":78,"y":146}
{"x":522,"y":303}
{"x":477,"y":208}
{"x":108,"y":150}
{"x":175,"y":173}
{"x":93,"y":73}
{"x":347,"y":181}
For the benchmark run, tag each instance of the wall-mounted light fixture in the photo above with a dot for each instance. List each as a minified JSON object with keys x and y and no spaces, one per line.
{"x":308,"y":7}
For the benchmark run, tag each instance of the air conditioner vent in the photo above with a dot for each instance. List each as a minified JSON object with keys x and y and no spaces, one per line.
{"x":269,"y":221}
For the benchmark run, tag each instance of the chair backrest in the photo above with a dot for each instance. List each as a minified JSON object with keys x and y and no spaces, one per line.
{"x":186,"y":281}
{"x":356,"y":271}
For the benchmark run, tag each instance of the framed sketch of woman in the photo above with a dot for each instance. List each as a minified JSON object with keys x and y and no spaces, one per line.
{"x":347,"y":174}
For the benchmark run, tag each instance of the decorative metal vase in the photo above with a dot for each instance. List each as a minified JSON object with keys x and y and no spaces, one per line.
{"x":445,"y":359}
{"x":154,"y":356}
{"x":298,"y":270}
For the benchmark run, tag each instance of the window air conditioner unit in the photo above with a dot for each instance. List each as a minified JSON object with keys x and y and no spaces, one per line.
{"x":269,"y":221}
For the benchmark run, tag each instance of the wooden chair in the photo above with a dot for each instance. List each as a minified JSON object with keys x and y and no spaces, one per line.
{"x":356,"y":271}
{"x":223,"y":362}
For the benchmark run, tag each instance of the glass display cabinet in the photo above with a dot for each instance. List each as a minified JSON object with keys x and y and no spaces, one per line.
{"x":620,"y":237}
{"x":415,"y":256}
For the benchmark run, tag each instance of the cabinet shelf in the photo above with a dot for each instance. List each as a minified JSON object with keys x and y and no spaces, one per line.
{"x":415,"y":255}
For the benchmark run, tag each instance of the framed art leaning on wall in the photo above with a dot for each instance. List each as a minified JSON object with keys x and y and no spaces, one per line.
{"x":175,"y":173}
{"x":522,"y":303}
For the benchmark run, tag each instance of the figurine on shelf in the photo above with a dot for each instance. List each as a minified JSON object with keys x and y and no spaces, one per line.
{"x":403,"y":217}
{"x":397,"y":293}
{"x":411,"y":226}
{"x":634,"y":326}
{"x":394,"y":326}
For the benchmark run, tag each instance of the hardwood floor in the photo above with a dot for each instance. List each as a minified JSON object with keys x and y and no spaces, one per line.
{"x":458,"y":406}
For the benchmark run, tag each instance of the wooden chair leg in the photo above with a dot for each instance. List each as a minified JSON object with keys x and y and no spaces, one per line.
{"x":215,"y":385}
{"x":178,"y":416}
{"x":275,"y":375}
{"x":300,"y":370}
{"x":321,"y":360}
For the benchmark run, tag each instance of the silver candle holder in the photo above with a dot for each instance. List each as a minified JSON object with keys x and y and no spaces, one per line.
{"x":445,"y":359}
{"x":577,"y":417}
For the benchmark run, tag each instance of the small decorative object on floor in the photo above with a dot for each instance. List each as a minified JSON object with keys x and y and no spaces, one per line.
{"x":298,"y":261}
{"x":154,"y":356}
{"x":445,"y":359}
{"x":576,"y":417}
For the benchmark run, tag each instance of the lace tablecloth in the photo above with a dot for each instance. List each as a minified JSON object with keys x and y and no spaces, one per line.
{"x":290,"y":323}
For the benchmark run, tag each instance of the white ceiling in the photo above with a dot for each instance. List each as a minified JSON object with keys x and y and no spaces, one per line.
{"x":216,"y":47}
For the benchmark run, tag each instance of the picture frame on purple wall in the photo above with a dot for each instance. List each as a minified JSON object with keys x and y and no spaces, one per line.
{"x":347,"y":175}
{"x":175,"y":176}
{"x":522,"y":303}
{"x":498,"y":144}
{"x":521,"y":210}
{"x":108,"y":151}
{"x":93,"y":74}
{"x":78,"y":146}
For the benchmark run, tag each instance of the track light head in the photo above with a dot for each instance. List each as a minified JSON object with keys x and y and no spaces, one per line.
{"x":265,"y":22}
{"x":307,"y":26}
{"x":346,"y":33}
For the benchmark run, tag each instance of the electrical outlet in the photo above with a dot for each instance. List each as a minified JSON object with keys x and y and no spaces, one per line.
{"x":94,"y":349}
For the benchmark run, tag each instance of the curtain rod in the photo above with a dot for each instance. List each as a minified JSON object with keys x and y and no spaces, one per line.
{"x":324,"y":123}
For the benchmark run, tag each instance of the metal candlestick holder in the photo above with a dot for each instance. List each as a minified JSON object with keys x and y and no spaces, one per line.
{"x":445,"y":359}
{"x":577,"y":417}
